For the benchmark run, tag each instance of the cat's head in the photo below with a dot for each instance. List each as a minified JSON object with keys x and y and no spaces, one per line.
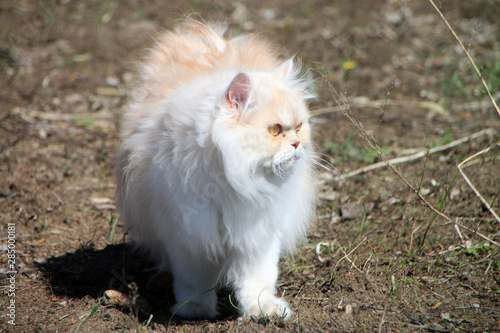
{"x":267,"y":114}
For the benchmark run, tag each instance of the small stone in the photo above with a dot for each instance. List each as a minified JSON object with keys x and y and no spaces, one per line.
{"x":248,"y":25}
{"x":329,"y":195}
{"x":353,"y":210}
{"x":112,"y":81}
{"x":445,"y":315}
{"x":42,"y":134}
{"x":74,"y":99}
{"x":335,"y":218}
{"x":424,"y":191}
{"x":240,"y":13}
{"x":128,"y":78}
{"x":56,"y":101}
{"x":267,"y":14}
{"x":455,"y":192}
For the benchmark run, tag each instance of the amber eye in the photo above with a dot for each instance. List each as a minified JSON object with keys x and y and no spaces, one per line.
{"x":299,"y":127}
{"x":275,"y":129}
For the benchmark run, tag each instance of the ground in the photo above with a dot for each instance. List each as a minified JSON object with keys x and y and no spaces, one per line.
{"x":377,"y":257}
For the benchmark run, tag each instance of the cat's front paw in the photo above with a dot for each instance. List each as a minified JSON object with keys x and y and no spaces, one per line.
{"x":194,"y":310}
{"x":271,"y":306}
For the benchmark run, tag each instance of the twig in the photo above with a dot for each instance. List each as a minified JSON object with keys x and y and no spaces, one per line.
{"x":31,"y":115}
{"x":416,"y":156}
{"x":362,"y":102}
{"x":459,"y":233}
{"x":477,"y":233}
{"x":411,"y":236}
{"x":58,"y":198}
{"x":468,"y":56}
{"x":437,"y":313}
{"x":348,"y":113}
{"x":382,"y":320}
{"x":464,"y":163}
{"x":346,"y":256}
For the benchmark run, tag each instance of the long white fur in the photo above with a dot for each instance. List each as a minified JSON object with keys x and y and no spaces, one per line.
{"x":204,"y":196}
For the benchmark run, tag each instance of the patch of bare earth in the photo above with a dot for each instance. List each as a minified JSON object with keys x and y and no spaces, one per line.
{"x":376,"y":258}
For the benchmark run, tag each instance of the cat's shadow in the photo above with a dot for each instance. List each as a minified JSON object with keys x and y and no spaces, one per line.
{"x":90,"y":272}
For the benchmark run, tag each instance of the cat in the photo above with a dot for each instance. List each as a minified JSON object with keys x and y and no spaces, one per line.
{"x":214,"y":175}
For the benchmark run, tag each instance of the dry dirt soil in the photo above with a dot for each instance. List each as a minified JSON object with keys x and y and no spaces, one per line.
{"x":377,"y":257}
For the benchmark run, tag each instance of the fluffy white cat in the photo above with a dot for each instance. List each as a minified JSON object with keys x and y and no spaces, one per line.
{"x":214,"y":174}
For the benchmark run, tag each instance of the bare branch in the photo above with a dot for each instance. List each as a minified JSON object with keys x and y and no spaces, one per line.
{"x":468,"y":56}
{"x":464,"y":163}
{"x":363,"y":102}
{"x":415,"y":156}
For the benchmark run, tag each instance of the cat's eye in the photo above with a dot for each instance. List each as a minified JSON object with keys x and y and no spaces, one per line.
{"x":275,"y":129}
{"x":299,"y":127}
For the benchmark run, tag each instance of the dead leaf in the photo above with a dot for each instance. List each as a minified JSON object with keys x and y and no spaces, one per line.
{"x":116,"y":298}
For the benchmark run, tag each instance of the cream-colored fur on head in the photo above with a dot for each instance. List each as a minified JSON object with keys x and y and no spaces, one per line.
{"x":214,"y":173}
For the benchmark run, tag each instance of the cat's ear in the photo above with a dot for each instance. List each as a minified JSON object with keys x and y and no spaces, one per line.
{"x":289,"y":69}
{"x":240,"y":94}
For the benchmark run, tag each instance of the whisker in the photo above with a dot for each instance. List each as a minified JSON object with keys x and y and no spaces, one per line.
{"x":326,"y":165}
{"x":317,"y":155}
{"x":317,"y":161}
{"x":323,"y":163}
{"x":280,"y":171}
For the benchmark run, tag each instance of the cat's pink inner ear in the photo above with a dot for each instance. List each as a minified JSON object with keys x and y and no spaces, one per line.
{"x":240,"y":93}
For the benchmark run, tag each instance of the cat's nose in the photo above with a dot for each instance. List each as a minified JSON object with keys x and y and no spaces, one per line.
{"x":296,"y":144}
